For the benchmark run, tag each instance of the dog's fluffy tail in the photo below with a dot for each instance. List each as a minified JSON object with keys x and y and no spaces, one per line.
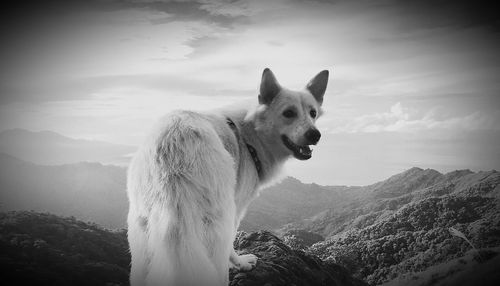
{"x":190,"y":206}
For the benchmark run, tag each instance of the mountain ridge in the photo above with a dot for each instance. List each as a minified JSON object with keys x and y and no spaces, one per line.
{"x":87,"y":190}
{"x":51,"y":148}
{"x":289,"y":201}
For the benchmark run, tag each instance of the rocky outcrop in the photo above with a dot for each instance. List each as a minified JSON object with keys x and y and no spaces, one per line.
{"x":279,"y":265}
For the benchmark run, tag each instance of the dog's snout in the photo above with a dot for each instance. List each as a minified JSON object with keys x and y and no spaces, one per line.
{"x":313,"y":135}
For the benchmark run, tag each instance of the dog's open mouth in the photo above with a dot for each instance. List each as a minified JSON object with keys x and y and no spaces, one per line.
{"x":299,"y":152}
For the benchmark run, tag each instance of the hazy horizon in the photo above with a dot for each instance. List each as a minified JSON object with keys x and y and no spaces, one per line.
{"x":412,"y":83}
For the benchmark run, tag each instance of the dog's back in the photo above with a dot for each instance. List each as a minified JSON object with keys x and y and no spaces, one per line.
{"x":181,"y":218}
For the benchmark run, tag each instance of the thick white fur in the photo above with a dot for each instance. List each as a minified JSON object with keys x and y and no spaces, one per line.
{"x":187,"y":181}
{"x":189,"y":186}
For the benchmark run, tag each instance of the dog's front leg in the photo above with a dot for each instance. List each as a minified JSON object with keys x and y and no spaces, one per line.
{"x":243,"y":262}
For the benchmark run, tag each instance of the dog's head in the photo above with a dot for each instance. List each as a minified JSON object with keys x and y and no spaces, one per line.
{"x":287,"y":118}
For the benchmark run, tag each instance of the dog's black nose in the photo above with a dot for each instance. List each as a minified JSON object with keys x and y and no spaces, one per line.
{"x":313,"y":135}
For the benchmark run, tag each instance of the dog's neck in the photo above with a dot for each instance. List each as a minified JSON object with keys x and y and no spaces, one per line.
{"x":270,"y":161}
{"x":250,"y":148}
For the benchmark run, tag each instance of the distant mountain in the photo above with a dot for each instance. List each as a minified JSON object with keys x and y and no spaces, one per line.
{"x":50,"y":148}
{"x":96,"y":192}
{"x":382,"y":199}
{"x":317,"y":208}
{"x":89,"y":191}
{"x":408,"y":181}
{"x":291,"y":201}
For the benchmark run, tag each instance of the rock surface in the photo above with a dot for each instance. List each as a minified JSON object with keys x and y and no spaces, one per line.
{"x":278,"y":265}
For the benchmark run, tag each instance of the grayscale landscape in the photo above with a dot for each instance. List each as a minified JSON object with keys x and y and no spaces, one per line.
{"x":401,"y":189}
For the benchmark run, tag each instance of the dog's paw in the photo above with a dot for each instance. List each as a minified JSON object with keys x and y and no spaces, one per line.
{"x":246,"y":262}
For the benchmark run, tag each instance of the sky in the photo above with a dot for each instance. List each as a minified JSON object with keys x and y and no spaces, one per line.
{"x":412,"y":83}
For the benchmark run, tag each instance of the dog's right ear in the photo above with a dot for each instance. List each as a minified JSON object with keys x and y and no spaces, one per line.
{"x":317,"y":86}
{"x":269,"y":87}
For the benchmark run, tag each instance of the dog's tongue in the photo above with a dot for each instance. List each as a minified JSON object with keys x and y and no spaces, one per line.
{"x":305,"y":150}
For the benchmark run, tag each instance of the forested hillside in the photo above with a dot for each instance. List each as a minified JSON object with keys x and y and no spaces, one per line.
{"x":45,"y":249}
{"x":407,"y":231}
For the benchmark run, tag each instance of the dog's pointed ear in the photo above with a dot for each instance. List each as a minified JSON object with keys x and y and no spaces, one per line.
{"x":317,"y":86}
{"x":269,"y":87}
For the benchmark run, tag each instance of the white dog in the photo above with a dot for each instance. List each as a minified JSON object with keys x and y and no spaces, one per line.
{"x":191,"y":182}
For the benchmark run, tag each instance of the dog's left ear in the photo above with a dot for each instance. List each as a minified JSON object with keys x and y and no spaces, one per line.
{"x":317,"y":86}
{"x":269,"y":87}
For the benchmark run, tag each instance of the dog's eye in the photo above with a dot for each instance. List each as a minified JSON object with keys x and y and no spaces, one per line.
{"x":289,"y":113}
{"x":313,"y":113}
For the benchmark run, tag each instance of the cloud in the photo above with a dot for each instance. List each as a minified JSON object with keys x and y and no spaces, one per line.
{"x":226,"y":8}
{"x":365,"y":158}
{"x":94,"y":48}
{"x":82,"y":88}
{"x":222,"y":12}
{"x":123,"y":114}
{"x":400,"y":119}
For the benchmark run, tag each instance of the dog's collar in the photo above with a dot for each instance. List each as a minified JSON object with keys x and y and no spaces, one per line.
{"x":251,"y":149}
{"x":258,"y":164}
